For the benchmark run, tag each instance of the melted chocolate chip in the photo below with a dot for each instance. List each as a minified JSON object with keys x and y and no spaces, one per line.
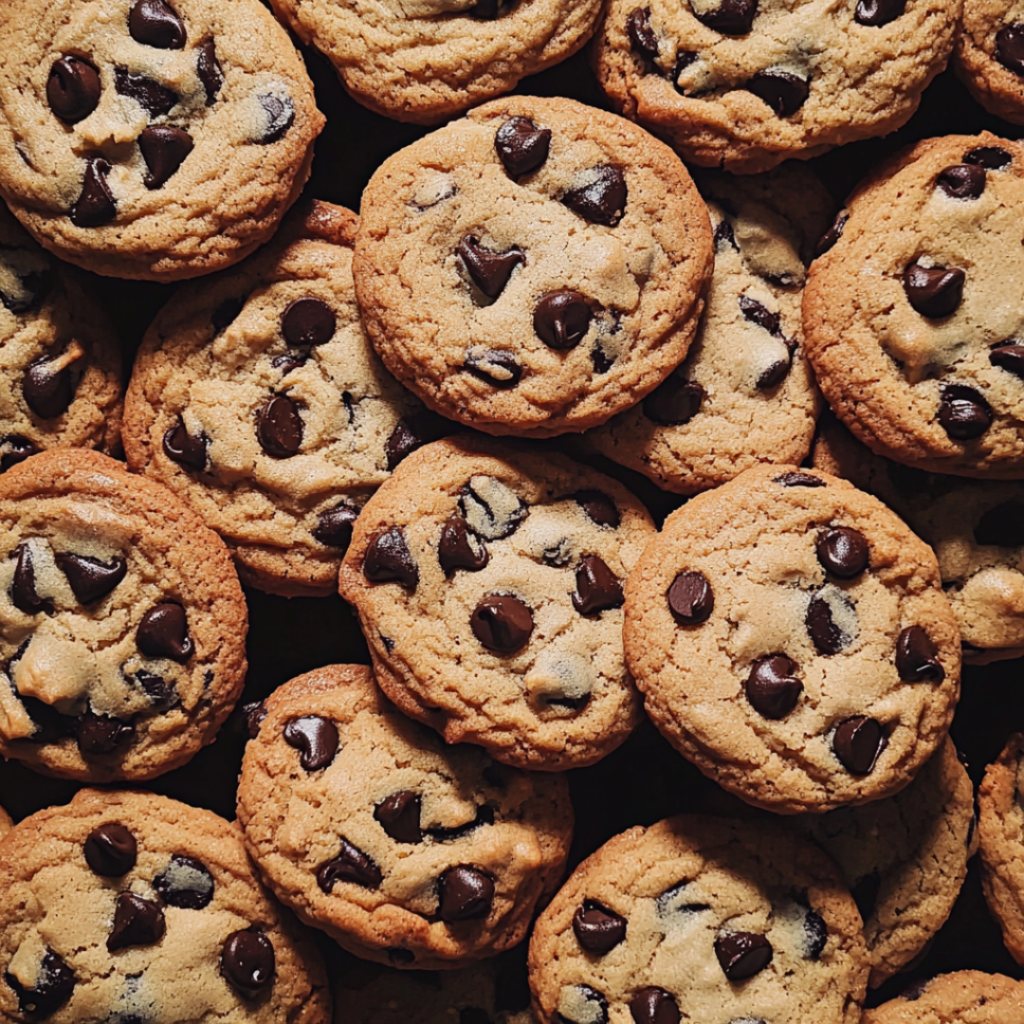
{"x":730,"y":17}
{"x":690,"y":598}
{"x":833,"y":234}
{"x":98,"y":735}
{"x":247,"y":961}
{"x":878,"y":12}
{"x":73,"y":89}
{"x":154,"y":98}
{"x":209,"y":70}
{"x":772,"y":687}
{"x":184,"y":449}
{"x":90,"y":578}
{"x":521,"y":146}
{"x":47,"y":390}
{"x":154,"y":23}
{"x":163,"y":633}
{"x":917,"y":657}
{"x":460,"y":547}
{"x":164,"y":149}
{"x":137,"y":922}
{"x":464,"y":894}
{"x":642,"y":39}
{"x":23,"y":589}
{"x":774,"y":375}
{"x":962,"y":181}
{"x":502,"y":623}
{"x":253,"y":715}
{"x":498,"y":368}
{"x":14,"y":449}
{"x":1010,"y":47}
{"x":350,"y":865}
{"x":185,"y":883}
{"x":111,"y":850}
{"x":654,"y":1005}
{"x":1002,"y":525}
{"x":562,"y":319}
{"x":827,"y":637}
{"x":842,"y":551}
{"x":280,"y":114}
{"x":315,"y":737}
{"x":603,"y":199}
{"x":782,"y":91}
{"x":857,"y":742}
{"x":489,"y":268}
{"x":412,"y":432}
{"x":399,"y":816}
{"x":759,"y":314}
{"x":95,"y":205}
{"x":674,"y":402}
{"x":992,"y":158}
{"x":388,"y":559}
{"x":934,"y":292}
{"x":598,"y":929}
{"x":963,"y":412}
{"x":799,"y":480}
{"x":334,"y":527}
{"x":597,"y":587}
{"x":1008,"y":355}
{"x":279,"y":427}
{"x":599,"y":507}
{"x":742,"y":954}
{"x":55,"y":982}
{"x":308,"y":321}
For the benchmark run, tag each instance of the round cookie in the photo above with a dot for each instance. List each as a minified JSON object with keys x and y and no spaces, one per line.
{"x":905,"y":319}
{"x":975,"y":527}
{"x":61,"y":379}
{"x":533,"y":268}
{"x":122,"y":647}
{"x":709,"y":916}
{"x":989,"y":56}
{"x":791,"y":638}
{"x":745,"y":393}
{"x":154,"y":139}
{"x":401,"y":849}
{"x":488,"y":581}
{"x":257,"y":398}
{"x":126,"y":906}
{"x":427,"y":60}
{"x":743,"y":84}
{"x":904,"y":859}
{"x":964,"y":997}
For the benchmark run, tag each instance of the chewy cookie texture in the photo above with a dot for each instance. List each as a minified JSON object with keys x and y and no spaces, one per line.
{"x":965,"y":997}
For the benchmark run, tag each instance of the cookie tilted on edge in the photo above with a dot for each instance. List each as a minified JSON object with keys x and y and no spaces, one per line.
{"x":963,"y":997}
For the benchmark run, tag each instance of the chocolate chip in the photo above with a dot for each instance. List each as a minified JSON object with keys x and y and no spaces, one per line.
{"x":597,"y":587}
{"x":684,"y":58}
{"x":464,"y":894}
{"x":725,"y":236}
{"x":962,"y":181}
{"x":498,"y":368}
{"x":247,"y":961}
{"x":399,"y":816}
{"x":774,"y":375}
{"x":164,"y":149}
{"x":742,"y":954}
{"x":14,"y":449}
{"x":185,"y":883}
{"x":23,"y":589}
{"x":603,"y":199}
{"x":934,"y":292}
{"x":489,"y":268}
{"x":782,"y":91}
{"x":1009,"y":49}
{"x":48,"y":389}
{"x":759,"y":314}
{"x":502,"y":623}
{"x":878,"y":12}
{"x":137,"y":922}
{"x":917,"y":657}
{"x":307,"y":321}
{"x":484,"y":816}
{"x":772,"y":687}
{"x":674,"y":402}
{"x":161,"y":693}
{"x":163,"y":633}
{"x":599,"y":507}
{"x":351,"y":865}
{"x":992,"y":158}
{"x":90,"y":578}
{"x":316,"y":737}
{"x":55,"y":982}
{"x":209,"y":70}
{"x":1008,"y":355}
{"x":842,"y":551}
{"x":798,"y":480}
{"x":826,"y":635}
{"x":334,"y":527}
{"x":963,"y":412}
{"x":280,"y":114}
{"x":857,"y":742}
{"x":188,"y":451}
{"x":1002,"y":525}
{"x":595,"y":1013}
{"x":253,"y":715}
{"x":491,"y":509}
{"x":833,"y":234}
{"x":486,"y":10}
{"x":730,"y":17}
{"x":111,"y":850}
{"x":95,"y":205}
{"x":598,"y":929}
{"x":654,"y":1005}
{"x":521,"y":146}
{"x":460,"y":548}
{"x":154,"y":23}
{"x":279,"y":427}
{"x":561,"y":319}
{"x":815,"y":935}
{"x":388,"y":559}
{"x":73,"y":89}
{"x":412,"y":432}
{"x":98,"y":735}
{"x":690,"y":598}
{"x":641,"y":36}
{"x":154,"y":98}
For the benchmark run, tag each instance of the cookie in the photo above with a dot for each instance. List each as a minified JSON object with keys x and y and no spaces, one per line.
{"x":745,"y":393}
{"x":989,"y":57}
{"x":904,"y":859}
{"x":403,"y":850}
{"x":533,"y":268}
{"x":905,"y":318}
{"x":709,"y":917}
{"x":791,"y":638}
{"x":975,"y":527}
{"x":488,"y":581}
{"x":122,"y":646}
{"x":964,"y":997}
{"x":153,"y":139}
{"x":427,"y":60}
{"x":126,"y":906}
{"x":744,"y":85}
{"x":257,"y":398}
{"x":5,"y":822}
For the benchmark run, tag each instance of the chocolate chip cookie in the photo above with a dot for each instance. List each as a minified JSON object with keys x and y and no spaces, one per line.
{"x":713,"y":918}
{"x":745,"y":393}
{"x":791,"y":638}
{"x":533,"y":268}
{"x":964,"y":997}
{"x":904,"y":858}
{"x":906,"y":320}
{"x":403,"y":850}
{"x":129,"y":907}
{"x":745,"y":84}
{"x":155,"y":139}
{"x":122,"y":624}
{"x":989,"y":56}
{"x":257,"y":398}
{"x":975,"y":527}
{"x":488,"y":579}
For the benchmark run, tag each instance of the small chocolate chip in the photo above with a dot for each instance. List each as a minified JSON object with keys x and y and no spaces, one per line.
{"x":154,"y":23}
{"x":1002,"y":525}
{"x":484,"y":816}
{"x":253,"y":715}
{"x":98,"y":735}
{"x":595,"y":1013}
{"x":603,"y":199}
{"x":48,"y":390}
{"x":730,"y":17}
{"x":334,"y":527}
{"x":399,"y":816}
{"x":599,"y":507}
{"x":55,"y":982}
{"x":992,"y":158}
{"x":185,"y":883}
{"x":489,"y":268}
{"x":23,"y":590}
{"x":642,"y":38}
{"x":597,"y":587}
{"x":95,"y":205}
{"x":725,"y":236}
{"x":774,"y":375}
{"x":32,"y":286}
{"x":111,"y":850}
{"x":388,"y":559}
{"x":917,"y":657}
{"x":963,"y":412}
{"x":280,"y":114}
{"x":163,"y":633}
{"x":674,"y":402}
{"x":742,"y":954}
{"x":772,"y":687}
{"x":690,"y":598}
{"x":842,"y":551}
{"x":561,"y":319}
{"x":181,"y":447}
{"x":1008,"y":355}
{"x":154,"y":98}
{"x":412,"y":432}
{"x":654,"y":1005}
{"x":247,"y":961}
{"x":521,"y":146}
{"x":308,"y":321}
{"x":934,"y":292}
{"x":279,"y":427}
{"x":315,"y":737}
{"x":164,"y":149}
{"x":502,"y":623}
{"x":759,"y":314}
{"x":73,"y":89}
{"x":876,"y":13}
{"x":14,"y":449}
{"x":1010,"y":47}
{"x":782,"y":91}
{"x":137,"y":922}
{"x":90,"y":578}
{"x":497,"y":367}
{"x":161,"y":693}
{"x":598,"y":929}
{"x":350,"y":865}
{"x":798,"y":480}
{"x":833,"y":234}
{"x":209,"y":70}
{"x":827,"y":637}
{"x":815,"y":935}
{"x":464,"y":894}
{"x":460,"y":548}
{"x":857,"y":742}
{"x":962,"y":181}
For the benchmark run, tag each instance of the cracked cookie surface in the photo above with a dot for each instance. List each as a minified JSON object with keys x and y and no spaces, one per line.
{"x":963,"y":997}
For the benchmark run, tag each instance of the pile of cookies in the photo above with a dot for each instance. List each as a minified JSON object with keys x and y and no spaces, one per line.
{"x":443,"y":409}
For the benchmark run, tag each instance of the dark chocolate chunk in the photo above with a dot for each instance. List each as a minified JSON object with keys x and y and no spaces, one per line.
{"x":154,"y":23}
{"x":98,"y":735}
{"x":185,"y":883}
{"x":460,"y":547}
{"x":489,"y":269}
{"x":154,"y":98}
{"x":782,"y":91}
{"x":774,"y":375}
{"x":1010,"y":47}
{"x":561,"y":319}
{"x":209,"y":70}
{"x":1008,"y":355}
{"x":799,"y":480}
{"x":399,"y":816}
{"x":161,"y":693}
{"x":47,"y":387}
{"x":963,"y":412}
{"x":484,"y":816}
{"x":759,"y":314}
{"x":857,"y":742}
{"x":674,"y":402}
{"x":598,"y":929}
{"x":95,"y":205}
{"x":499,"y":368}
{"x":842,"y":551}
{"x":73,"y":89}
{"x":878,"y":12}
{"x":23,"y":589}
{"x":90,"y":578}
{"x":992,"y":158}
{"x":334,"y":527}
{"x":827,"y":637}
{"x":599,"y":507}
{"x":247,"y":961}
{"x":464,"y":894}
{"x":253,"y":715}
{"x":184,"y":449}
{"x":653,"y":1005}
{"x":14,"y":449}
{"x":163,"y":633}
{"x":833,"y":234}
{"x":642,"y":38}
{"x":1002,"y":525}
{"x":815,"y":935}
{"x":279,"y":427}
{"x":280,"y":114}
{"x":934,"y":292}
{"x":412,"y":432}
{"x":772,"y":687}
{"x":502,"y":623}
{"x":111,"y":850}
{"x":690,"y":598}
{"x":308,"y":321}
{"x":55,"y":982}
{"x":725,"y":236}
{"x":742,"y":954}
{"x":603,"y":199}
{"x":388,"y":559}
{"x":521,"y":146}
{"x":350,"y":865}
{"x":164,"y":149}
{"x":315,"y":737}
{"x":137,"y":922}
{"x":962,"y":181}
{"x":597,"y":587}
{"x":730,"y":17}
{"x":917,"y":657}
